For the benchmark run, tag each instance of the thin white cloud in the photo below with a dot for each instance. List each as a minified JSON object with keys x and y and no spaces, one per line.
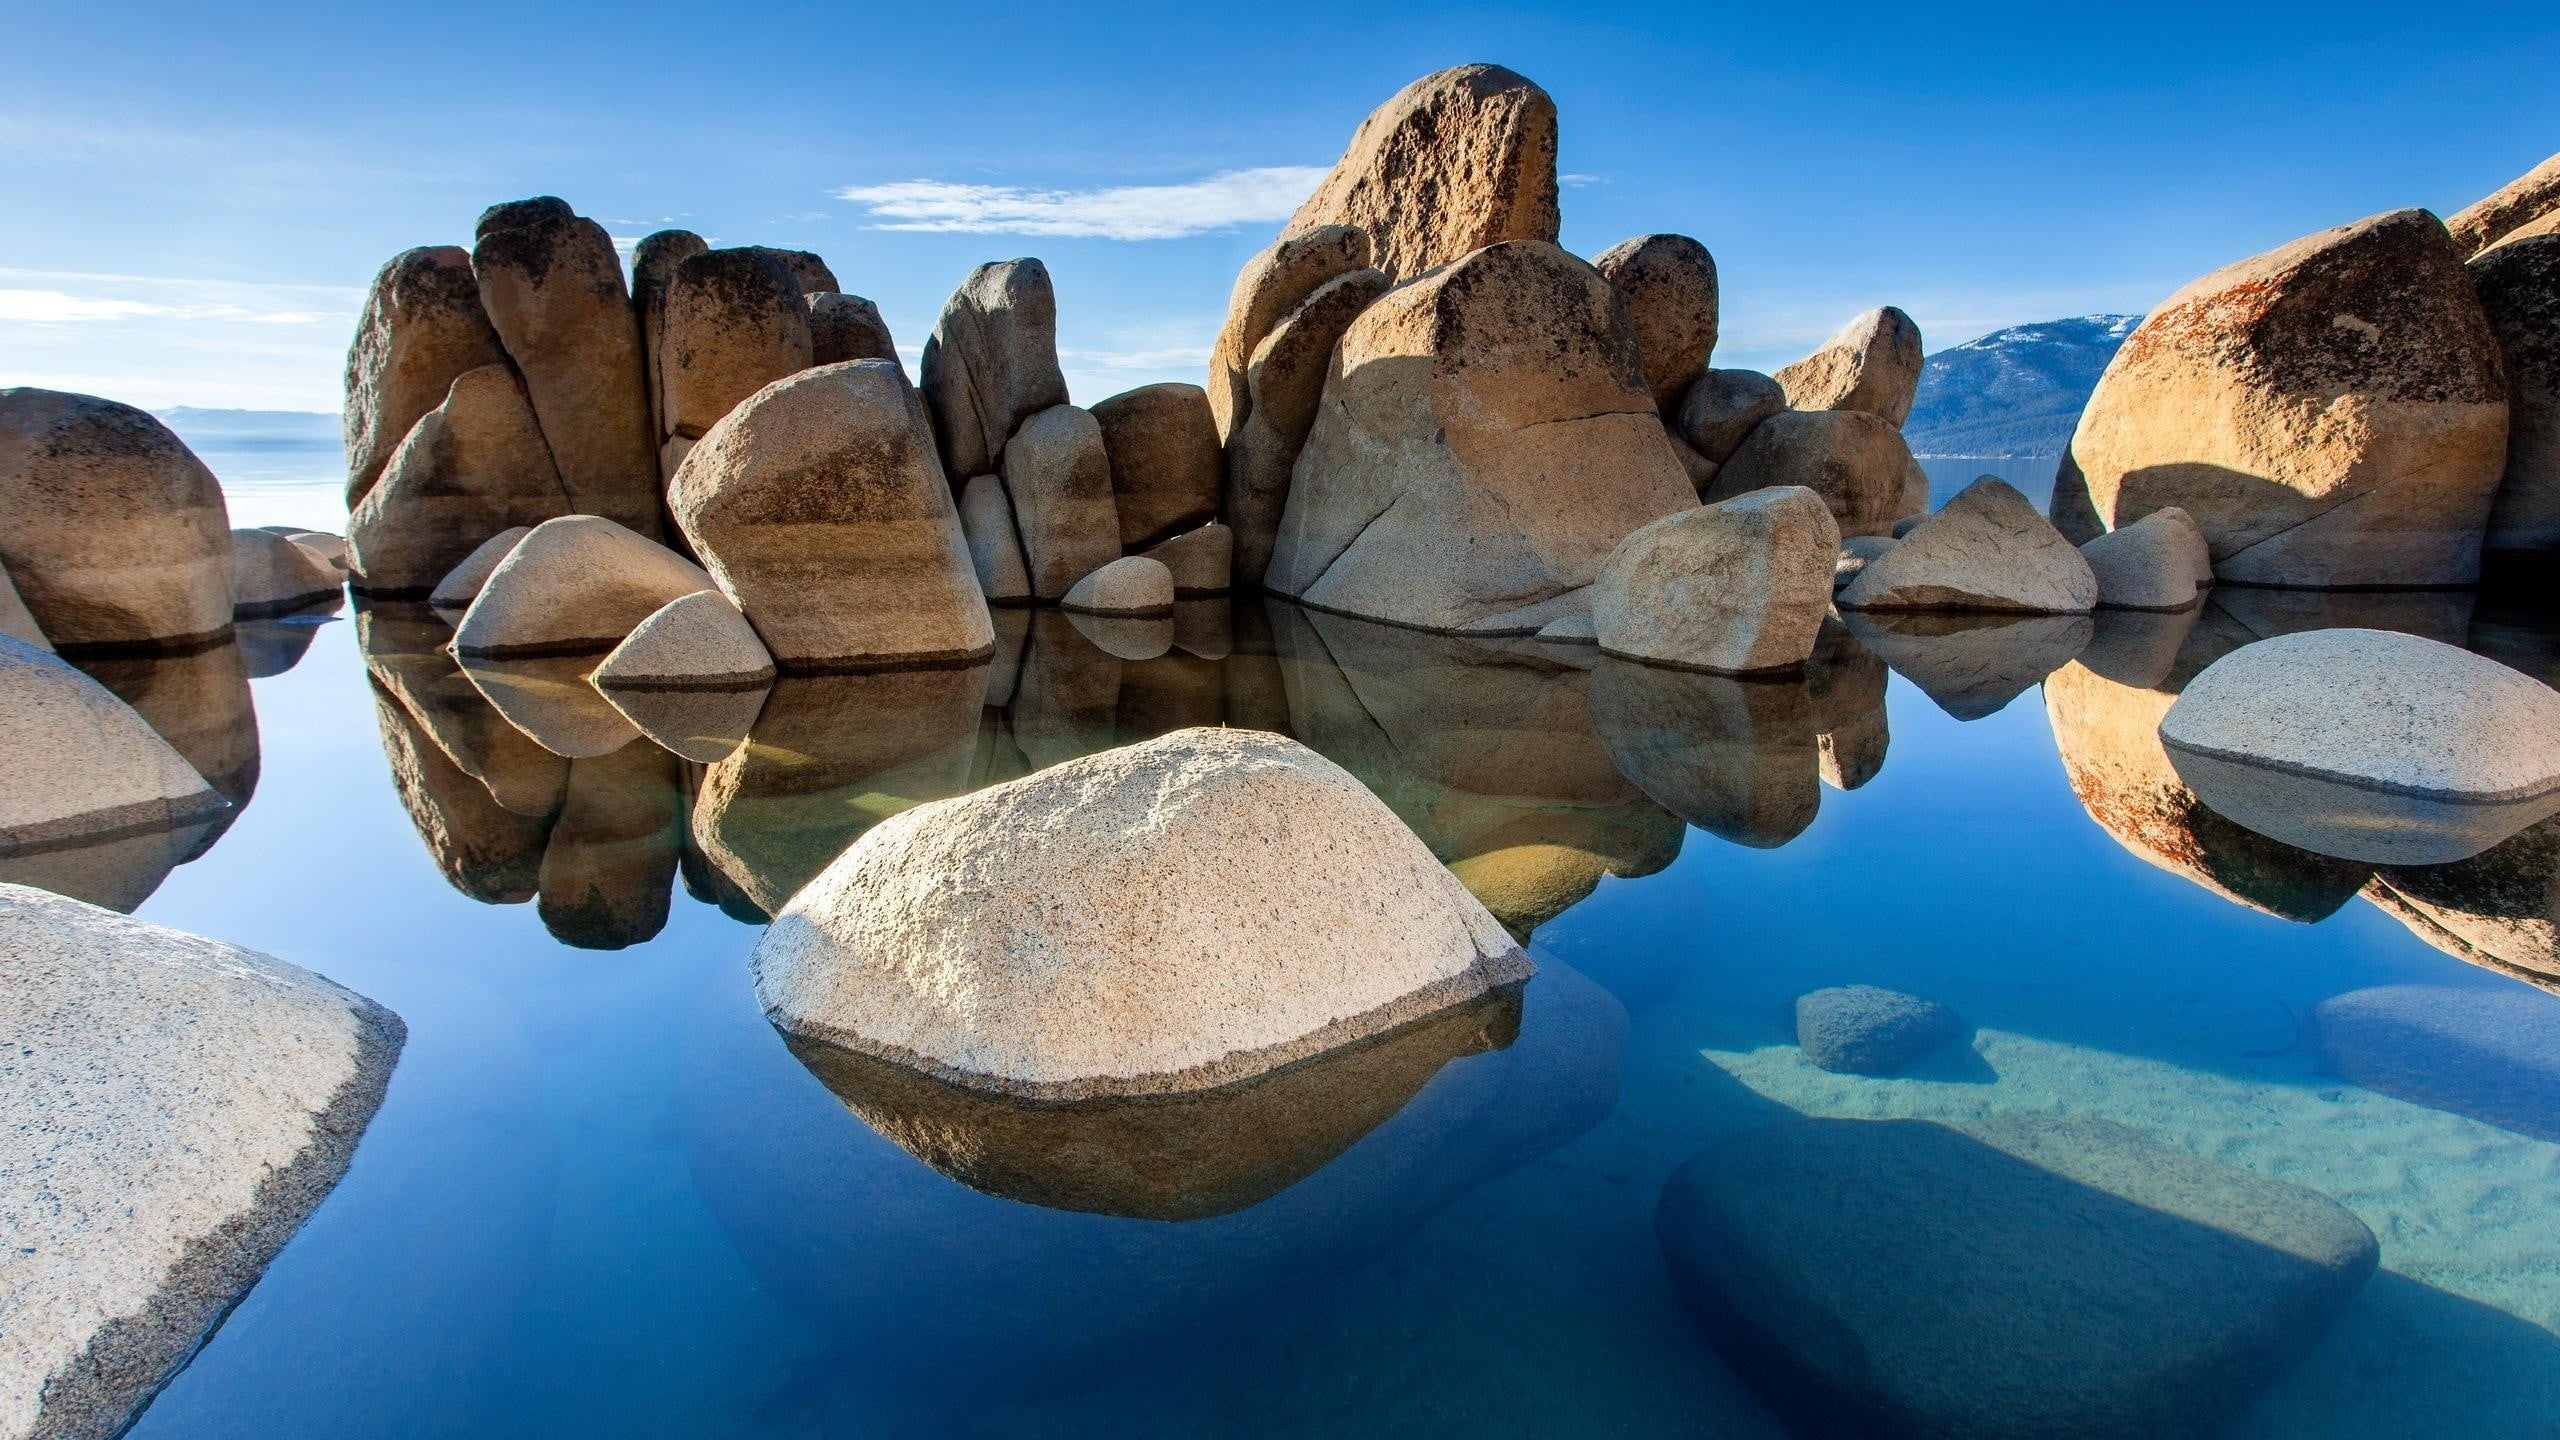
{"x":1575,"y":180}
{"x":56,"y":307}
{"x":1172,"y":357}
{"x":1114,"y":212}
{"x":163,"y":340}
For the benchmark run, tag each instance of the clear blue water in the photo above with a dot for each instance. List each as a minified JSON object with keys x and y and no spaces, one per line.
{"x":604,"y":1197}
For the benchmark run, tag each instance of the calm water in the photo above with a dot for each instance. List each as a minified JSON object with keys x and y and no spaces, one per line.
{"x":604,"y":1197}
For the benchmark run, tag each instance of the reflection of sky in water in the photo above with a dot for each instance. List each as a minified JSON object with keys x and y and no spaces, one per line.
{"x":603,"y":1197}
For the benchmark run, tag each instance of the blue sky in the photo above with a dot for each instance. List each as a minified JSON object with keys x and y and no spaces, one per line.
{"x":191,"y":199}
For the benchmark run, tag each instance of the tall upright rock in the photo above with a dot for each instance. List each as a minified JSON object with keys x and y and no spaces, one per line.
{"x":1270,"y":285}
{"x":735,"y":323}
{"x":114,"y":533}
{"x":2519,"y":286}
{"x":422,"y":326}
{"x":1459,"y":159}
{"x":1486,"y":438}
{"x":2332,"y":413}
{"x":991,"y":363}
{"x":1669,"y":284}
{"x":553,"y":288}
{"x":653,"y":265}
{"x":472,"y":467}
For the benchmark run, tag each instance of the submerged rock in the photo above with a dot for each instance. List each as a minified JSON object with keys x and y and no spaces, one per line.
{"x":1163,"y":449}
{"x":912,"y":945}
{"x":2489,"y":1053}
{"x":1986,"y":550}
{"x":1853,"y":460}
{"x":578,"y":583}
{"x":271,"y":575}
{"x":2159,"y":562}
{"x":1872,"y":365}
{"x":1735,"y":587}
{"x":421,"y":330}
{"x":1486,"y":440}
{"x":472,"y":467}
{"x":1869,"y":1030}
{"x":1131,"y":585}
{"x":1669,"y":284}
{"x":113,"y":532}
{"x":172,"y":1109}
{"x":2369,"y":745}
{"x":2026,"y":1276}
{"x":990,"y":364}
{"x":1459,"y":159}
{"x":2331,"y":413}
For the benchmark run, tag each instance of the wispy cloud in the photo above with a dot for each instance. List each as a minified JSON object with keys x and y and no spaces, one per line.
{"x":56,"y":307}
{"x":1576,"y":180}
{"x":161,"y":340}
{"x":1114,"y":212}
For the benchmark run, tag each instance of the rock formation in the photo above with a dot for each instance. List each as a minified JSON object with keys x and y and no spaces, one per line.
{"x":653,"y":265}
{"x":1285,"y":378}
{"x":991,"y":363}
{"x":472,"y":467}
{"x":2159,"y":562}
{"x":1873,"y":365}
{"x":2530,"y":197}
{"x":421,"y":330}
{"x":1738,"y":587}
{"x":847,"y":327}
{"x":1131,"y":585}
{"x":1458,"y":160}
{"x":270,"y":575}
{"x":1669,"y":284}
{"x":1721,"y":408}
{"x":16,"y":621}
{"x":1869,"y":1030}
{"x":1202,"y":560}
{"x":1987,"y":550}
{"x":1163,"y":448}
{"x":2519,"y":287}
{"x":461,"y":584}
{"x":1852,"y":459}
{"x":578,"y":583}
{"x":995,"y":542}
{"x":1057,"y":474}
{"x":1270,"y":285}
{"x":693,"y":642}
{"x":735,"y":323}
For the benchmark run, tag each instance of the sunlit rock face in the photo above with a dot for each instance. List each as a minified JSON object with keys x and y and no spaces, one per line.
{"x":577,"y":583}
{"x":472,"y":468}
{"x":1872,"y":365}
{"x":2331,"y":413}
{"x":422,"y":329}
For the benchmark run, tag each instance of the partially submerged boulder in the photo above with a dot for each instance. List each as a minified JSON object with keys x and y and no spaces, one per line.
{"x":818,"y":506}
{"x":2529,"y":197}
{"x":2159,"y":562}
{"x":81,"y":767}
{"x":1163,"y":448}
{"x":461,"y":584}
{"x":422,"y":329}
{"x":2023,"y":1276}
{"x":1736,"y":587}
{"x":474,"y":466}
{"x":271,"y":575}
{"x":553,"y":288}
{"x":2331,"y":413}
{"x":1986,"y":550}
{"x":1486,"y":440}
{"x":2490,"y":1054}
{"x":1202,"y":560}
{"x":693,"y":642}
{"x":1669,"y":284}
{"x":1869,"y":1030}
{"x":1131,"y":585}
{"x":1057,"y":473}
{"x":1722,"y":407}
{"x":735,"y":323}
{"x":113,"y":532}
{"x":847,"y":327}
{"x":2519,"y":287}
{"x":2369,"y":745}
{"x":990,"y":364}
{"x":1853,"y":460}
{"x":575,"y":584}
{"x":1459,"y":159}
{"x":1872,"y":365}
{"x":172,"y":1109}
{"x":1082,"y":932}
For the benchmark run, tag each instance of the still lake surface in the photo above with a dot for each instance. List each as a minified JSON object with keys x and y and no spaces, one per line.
{"x":604,"y":1197}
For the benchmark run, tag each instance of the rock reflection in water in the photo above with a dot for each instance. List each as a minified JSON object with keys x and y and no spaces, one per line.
{"x":199,"y":702}
{"x":1176,"y":1157}
{"x":609,"y":867}
{"x":487,"y":851}
{"x":271,"y":647}
{"x":548,"y":698}
{"x":1846,"y":684}
{"x":703,"y":725}
{"x":1971,"y":665}
{"x":118,"y":873}
{"x":1734,"y":757}
{"x":404,"y":647}
{"x":2500,"y":909}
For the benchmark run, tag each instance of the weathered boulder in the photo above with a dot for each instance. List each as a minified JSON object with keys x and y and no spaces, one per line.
{"x":1459,"y":159}
{"x":1873,"y":365}
{"x":653,"y":266}
{"x":515,"y":214}
{"x":956,"y":938}
{"x":693,"y":642}
{"x":1852,"y":459}
{"x":818,"y":507}
{"x":2492,"y":1055}
{"x":994,"y":541}
{"x":809,"y":272}
{"x":2519,"y":287}
{"x":2369,"y":745}
{"x":1163,"y":448}
{"x":553,"y":289}
{"x":1131,"y":585}
{"x":327,"y":548}
{"x":1284,"y":382}
{"x":1856,"y":553}
{"x":270,"y":575}
{"x":578,"y":583}
{"x":1987,"y":549}
{"x":991,"y":363}
{"x":1669,"y":284}
{"x":81,"y":767}
{"x":422,"y":329}
{"x":1270,"y":285}
{"x":1485,"y":441}
{"x":1869,"y":1030}
{"x":1970,"y":665}
{"x":16,"y":621}
{"x":2159,"y":562}
{"x":461,"y":584}
{"x":2025,"y":1276}
{"x":172,"y":1109}
{"x":735,"y":323}
{"x":2331,"y":413}
{"x":472,"y":467}
{"x":1735,"y":587}
{"x":114,"y":533}
{"x":1722,"y":407}
{"x":2532,"y":196}
{"x":847,"y":327}
{"x":1058,"y":475}
{"x":1202,"y":560}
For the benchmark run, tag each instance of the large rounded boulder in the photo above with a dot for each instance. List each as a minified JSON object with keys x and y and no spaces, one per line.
{"x":991,"y":363}
{"x":1872,"y":365}
{"x":422,"y":328}
{"x":1158,"y":919}
{"x":1459,"y":159}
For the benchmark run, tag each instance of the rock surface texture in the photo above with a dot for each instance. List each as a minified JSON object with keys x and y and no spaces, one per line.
{"x":2519,"y":287}
{"x":171,"y":1109}
{"x":1270,"y":285}
{"x":2530,"y":197}
{"x":1722,"y":407}
{"x":577,"y":583}
{"x":1872,"y":365}
{"x":1163,"y":447}
{"x":114,"y":533}
{"x":1669,"y":284}
{"x":1131,"y":585}
{"x":847,"y":327}
{"x":81,"y":766}
{"x":270,"y":575}
{"x":1988,"y":549}
{"x":735,"y":323}
{"x":2159,"y":562}
{"x":653,"y":266}
{"x":472,"y":467}
{"x":1166,"y":917}
{"x":818,"y":507}
{"x":2369,"y":745}
{"x":1459,"y":159}
{"x":693,"y":642}
{"x":461,"y":584}
{"x":1057,"y":473}
{"x":1486,"y":439}
{"x":1738,"y":587}
{"x":991,"y":363}
{"x":2331,"y":413}
{"x":1852,"y":459}
{"x":422,"y":329}
{"x":2023,"y":1277}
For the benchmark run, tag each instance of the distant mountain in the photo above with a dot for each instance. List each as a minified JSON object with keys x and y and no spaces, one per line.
{"x":254,"y":429}
{"x":2014,"y":392}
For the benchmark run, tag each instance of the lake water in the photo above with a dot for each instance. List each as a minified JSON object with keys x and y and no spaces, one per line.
{"x":604,"y":1197}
